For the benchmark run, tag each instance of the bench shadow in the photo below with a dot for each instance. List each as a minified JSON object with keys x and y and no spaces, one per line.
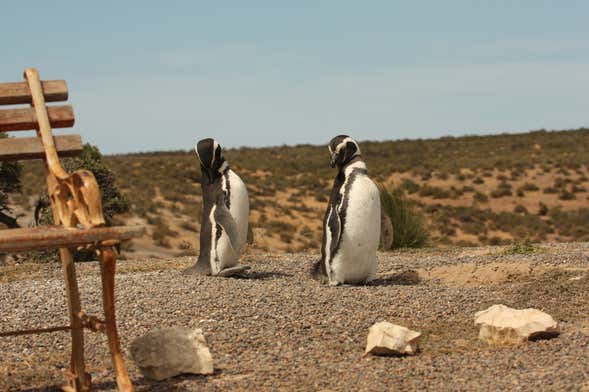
{"x":170,"y":384}
{"x":403,"y":278}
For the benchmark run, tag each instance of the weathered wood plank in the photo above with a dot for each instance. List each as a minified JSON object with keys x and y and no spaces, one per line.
{"x":26,"y":119}
{"x":23,"y":148}
{"x":51,"y":237}
{"x":19,"y":92}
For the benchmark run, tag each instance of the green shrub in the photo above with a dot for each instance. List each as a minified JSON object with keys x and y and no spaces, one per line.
{"x":521,"y":248}
{"x":503,"y":189}
{"x":573,"y":224}
{"x":566,"y":195}
{"x":409,"y":225}
{"x":434,"y":191}
{"x":529,"y":187}
{"x":10,"y":173}
{"x":113,"y":201}
{"x":480,"y":197}
{"x":410,"y":186}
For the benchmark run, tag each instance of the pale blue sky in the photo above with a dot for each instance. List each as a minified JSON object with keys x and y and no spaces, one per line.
{"x":159,"y":75}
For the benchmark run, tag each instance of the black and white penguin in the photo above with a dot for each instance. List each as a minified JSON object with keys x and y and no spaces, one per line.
{"x":225,"y":213}
{"x":351,"y":226}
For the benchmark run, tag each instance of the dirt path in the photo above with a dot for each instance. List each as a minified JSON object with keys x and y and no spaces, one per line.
{"x":280,"y":330}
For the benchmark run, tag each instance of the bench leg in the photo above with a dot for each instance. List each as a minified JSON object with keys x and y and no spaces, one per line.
{"x":81,"y":380}
{"x":108,"y":264}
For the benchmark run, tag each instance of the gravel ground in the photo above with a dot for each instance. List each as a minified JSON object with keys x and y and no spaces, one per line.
{"x":279,"y":330}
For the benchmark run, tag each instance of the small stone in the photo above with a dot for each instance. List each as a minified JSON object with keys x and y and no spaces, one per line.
{"x":168,"y":352}
{"x":502,"y":325}
{"x":385,"y":338}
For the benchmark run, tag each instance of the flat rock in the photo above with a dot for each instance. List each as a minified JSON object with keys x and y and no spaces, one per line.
{"x":168,"y":352}
{"x":385,"y":338}
{"x":501,"y":325}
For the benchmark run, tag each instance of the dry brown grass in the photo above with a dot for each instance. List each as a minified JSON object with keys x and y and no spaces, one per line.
{"x":468,"y":195}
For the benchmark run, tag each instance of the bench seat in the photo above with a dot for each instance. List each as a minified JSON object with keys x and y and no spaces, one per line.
{"x":53,"y":237}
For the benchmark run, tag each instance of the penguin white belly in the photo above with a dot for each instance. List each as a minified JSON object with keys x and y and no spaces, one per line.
{"x":355,"y":260}
{"x":222,"y":253}
{"x":239,"y":206}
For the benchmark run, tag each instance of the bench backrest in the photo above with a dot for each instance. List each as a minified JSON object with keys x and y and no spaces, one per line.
{"x":19,"y":118}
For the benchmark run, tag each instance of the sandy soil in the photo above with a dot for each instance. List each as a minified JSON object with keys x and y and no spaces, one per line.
{"x":277,"y":329}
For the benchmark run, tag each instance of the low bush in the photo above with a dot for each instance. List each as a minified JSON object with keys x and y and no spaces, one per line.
{"x":529,"y":187}
{"x":410,"y":186}
{"x":409,"y":224}
{"x":480,"y":197}
{"x":503,"y":189}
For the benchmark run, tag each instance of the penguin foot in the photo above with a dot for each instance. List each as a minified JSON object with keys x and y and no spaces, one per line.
{"x":194,"y":270}
{"x":340,"y":284}
{"x":232,"y":271}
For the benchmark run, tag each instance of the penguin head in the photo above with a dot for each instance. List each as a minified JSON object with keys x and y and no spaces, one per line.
{"x":212,"y":161}
{"x":342,"y":149}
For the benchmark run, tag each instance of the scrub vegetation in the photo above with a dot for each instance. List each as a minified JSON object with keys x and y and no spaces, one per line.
{"x":471,"y":190}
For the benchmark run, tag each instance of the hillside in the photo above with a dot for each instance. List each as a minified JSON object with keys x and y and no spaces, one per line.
{"x":474,"y":189}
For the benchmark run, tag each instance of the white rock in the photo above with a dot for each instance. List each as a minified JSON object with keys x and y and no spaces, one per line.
{"x":167,"y":352}
{"x":502,"y":325}
{"x":385,"y":338}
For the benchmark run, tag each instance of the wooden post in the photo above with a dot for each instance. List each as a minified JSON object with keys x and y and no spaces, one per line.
{"x":81,"y":381}
{"x":107,"y":267}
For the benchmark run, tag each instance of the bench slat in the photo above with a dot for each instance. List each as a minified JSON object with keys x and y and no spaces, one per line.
{"x":53,"y":237}
{"x":19,"y":92}
{"x":22,"y":148}
{"x":26,"y":119}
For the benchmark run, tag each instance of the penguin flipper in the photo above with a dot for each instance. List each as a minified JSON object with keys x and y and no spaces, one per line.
{"x":224,"y":219}
{"x":335,"y":226}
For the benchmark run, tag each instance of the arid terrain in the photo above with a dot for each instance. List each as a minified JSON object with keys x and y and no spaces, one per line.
{"x":508,"y":222}
{"x":473,"y":190}
{"x":277,"y":329}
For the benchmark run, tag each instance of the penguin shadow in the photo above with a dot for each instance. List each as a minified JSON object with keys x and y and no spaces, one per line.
{"x":246,"y":273}
{"x":400,"y":278}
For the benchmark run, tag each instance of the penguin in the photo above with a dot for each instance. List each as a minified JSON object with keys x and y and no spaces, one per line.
{"x":351,"y":225}
{"x":225,"y":214}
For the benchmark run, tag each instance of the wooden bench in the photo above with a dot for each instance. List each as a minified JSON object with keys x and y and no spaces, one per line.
{"x":77,"y":213}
